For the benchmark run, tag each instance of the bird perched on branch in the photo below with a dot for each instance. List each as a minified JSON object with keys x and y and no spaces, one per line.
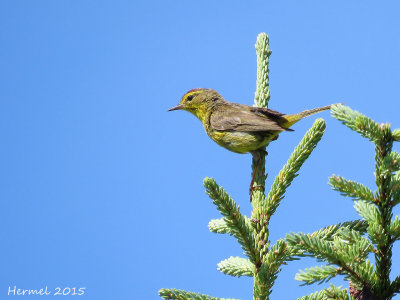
{"x":237,"y":127}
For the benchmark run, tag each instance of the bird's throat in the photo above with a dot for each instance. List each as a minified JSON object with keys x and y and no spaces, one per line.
{"x":199,"y":112}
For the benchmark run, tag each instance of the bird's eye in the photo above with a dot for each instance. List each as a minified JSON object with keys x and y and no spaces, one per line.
{"x":189,"y":98}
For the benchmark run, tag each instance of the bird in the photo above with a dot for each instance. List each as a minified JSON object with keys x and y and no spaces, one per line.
{"x":237,"y":127}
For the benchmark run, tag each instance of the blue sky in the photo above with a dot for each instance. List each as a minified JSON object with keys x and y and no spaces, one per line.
{"x":102,"y":188}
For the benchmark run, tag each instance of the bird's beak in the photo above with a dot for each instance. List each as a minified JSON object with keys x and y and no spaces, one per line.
{"x":179,"y":106}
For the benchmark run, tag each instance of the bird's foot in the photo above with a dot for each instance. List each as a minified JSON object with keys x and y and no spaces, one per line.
{"x":256,"y":160}
{"x":257,"y":153}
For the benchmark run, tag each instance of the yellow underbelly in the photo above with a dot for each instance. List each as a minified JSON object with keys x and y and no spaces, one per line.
{"x":240,"y":142}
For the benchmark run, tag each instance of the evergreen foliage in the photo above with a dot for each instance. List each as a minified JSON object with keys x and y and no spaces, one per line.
{"x":236,"y":266}
{"x":218,"y":226}
{"x":264,"y":261}
{"x":184,"y":295}
{"x":262,"y":93}
{"x":331,"y":293}
{"x":347,"y":247}
{"x":236,"y":222}
{"x":343,"y":247}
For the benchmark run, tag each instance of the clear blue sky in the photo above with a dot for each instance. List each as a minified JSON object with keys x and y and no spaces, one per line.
{"x":102,"y":188}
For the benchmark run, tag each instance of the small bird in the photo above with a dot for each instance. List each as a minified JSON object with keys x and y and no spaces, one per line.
{"x":237,"y":127}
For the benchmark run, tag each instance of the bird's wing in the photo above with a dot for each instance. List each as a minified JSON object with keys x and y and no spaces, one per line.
{"x":267,"y":112}
{"x":245,"y":120}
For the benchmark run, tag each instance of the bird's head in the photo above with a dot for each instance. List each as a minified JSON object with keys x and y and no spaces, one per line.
{"x":198,"y":102}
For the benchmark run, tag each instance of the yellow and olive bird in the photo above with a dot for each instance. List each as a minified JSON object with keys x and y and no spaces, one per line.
{"x":237,"y":127}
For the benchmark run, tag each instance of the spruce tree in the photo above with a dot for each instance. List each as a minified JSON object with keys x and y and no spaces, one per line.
{"x":263,"y":261}
{"x":346,"y":248}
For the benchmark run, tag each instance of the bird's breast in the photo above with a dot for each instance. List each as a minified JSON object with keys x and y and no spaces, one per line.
{"x":239,"y":142}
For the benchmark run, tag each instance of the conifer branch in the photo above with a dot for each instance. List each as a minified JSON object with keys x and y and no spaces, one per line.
{"x":396,"y":197}
{"x":261,"y":99}
{"x":317,"y":274}
{"x":331,"y":293}
{"x":363,"y":275}
{"x":368,"y":211}
{"x":218,"y":226}
{"x":318,"y":295}
{"x":377,"y":234}
{"x":261,"y":288}
{"x":351,"y":189}
{"x":352,"y":248}
{"x":371,"y":214}
{"x":257,"y":192}
{"x":329,"y":232}
{"x":396,"y":135}
{"x":384,"y":243}
{"x":379,"y":216}
{"x":264,"y":209}
{"x":336,"y":293}
{"x":346,"y":247}
{"x":395,"y":228}
{"x":184,"y":295}
{"x":339,"y":253}
{"x":262,"y":93}
{"x":394,"y":188}
{"x":278,"y":254}
{"x":357,"y":121}
{"x":390,"y":163}
{"x":236,"y":266}
{"x":237,"y":222}
{"x":264,"y":279}
{"x":289,"y":171}
{"x":395,"y":286}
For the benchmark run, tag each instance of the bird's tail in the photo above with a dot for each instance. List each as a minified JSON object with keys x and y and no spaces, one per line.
{"x":289,"y":120}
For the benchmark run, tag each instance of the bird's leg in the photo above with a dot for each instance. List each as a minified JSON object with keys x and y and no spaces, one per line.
{"x":257,"y":157}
